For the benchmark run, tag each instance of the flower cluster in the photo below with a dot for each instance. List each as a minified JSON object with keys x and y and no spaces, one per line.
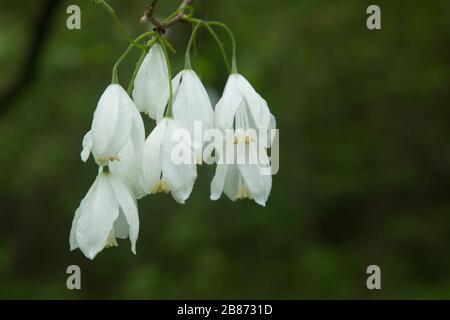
{"x":132,"y":166}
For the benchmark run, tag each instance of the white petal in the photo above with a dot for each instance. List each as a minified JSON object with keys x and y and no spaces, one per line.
{"x":258,"y":184}
{"x":129,"y":168}
{"x":272,"y":126}
{"x":257,"y":105}
{"x":151,"y":162}
{"x":272,"y":121}
{"x":192,"y":102}
{"x":87,"y":146}
{"x":111,"y":125}
{"x":232,"y":179}
{"x":176,"y":81}
{"x":151,"y":85}
{"x":122,"y":168}
{"x":218,"y":181}
{"x":80,"y":209}
{"x":179,"y":177}
{"x":97,"y":218}
{"x":121,"y":226}
{"x":128,"y":206}
{"x":137,"y":133}
{"x":228,"y":104}
{"x":72,"y":237}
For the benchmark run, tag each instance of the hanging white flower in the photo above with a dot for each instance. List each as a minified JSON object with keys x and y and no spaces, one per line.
{"x":161,"y":173}
{"x":151,"y":85}
{"x":242,"y":109}
{"x":111,"y":126}
{"x":117,"y":137}
{"x":108,"y":211}
{"x":192,"y":107}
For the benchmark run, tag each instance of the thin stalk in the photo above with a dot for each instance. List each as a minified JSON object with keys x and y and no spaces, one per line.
{"x":220,"y":44}
{"x":189,"y":9}
{"x":233,"y":41}
{"x":118,"y":23}
{"x":169,"y":71}
{"x":207,"y":25}
{"x":168,"y":45}
{"x":187,"y":64}
{"x":115,"y":78}
{"x":136,"y":68}
{"x":138,"y":65}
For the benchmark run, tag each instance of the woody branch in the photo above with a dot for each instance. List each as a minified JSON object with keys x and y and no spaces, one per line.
{"x":161,"y":27}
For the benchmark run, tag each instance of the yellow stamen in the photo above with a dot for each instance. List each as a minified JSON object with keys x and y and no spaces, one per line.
{"x":249,"y":139}
{"x":161,"y":187}
{"x":111,"y":242}
{"x":244,"y":193}
{"x":245,"y":139}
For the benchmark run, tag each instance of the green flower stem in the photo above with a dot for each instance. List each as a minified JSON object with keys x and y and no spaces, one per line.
{"x":220,"y":44}
{"x":187,"y":64}
{"x":168,"y":45}
{"x":207,"y":25}
{"x":133,"y":76}
{"x":169,"y":71}
{"x":233,"y":41}
{"x":117,"y":21}
{"x":115,"y":78}
{"x":136,"y":68}
{"x":138,"y":64}
{"x":183,"y":10}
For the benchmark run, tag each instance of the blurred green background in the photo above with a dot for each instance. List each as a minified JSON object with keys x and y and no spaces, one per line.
{"x":364,"y":155}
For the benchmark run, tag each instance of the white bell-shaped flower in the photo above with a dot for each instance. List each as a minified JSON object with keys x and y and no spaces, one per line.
{"x":151,"y":85}
{"x":126,"y":139}
{"x":111,"y":126}
{"x":162,"y":169}
{"x":192,"y":107}
{"x":242,"y":109}
{"x":108,"y":211}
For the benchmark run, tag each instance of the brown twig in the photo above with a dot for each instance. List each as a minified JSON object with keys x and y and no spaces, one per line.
{"x":161,"y":27}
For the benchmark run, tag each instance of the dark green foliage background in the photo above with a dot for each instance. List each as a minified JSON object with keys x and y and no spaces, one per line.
{"x":365,"y":157}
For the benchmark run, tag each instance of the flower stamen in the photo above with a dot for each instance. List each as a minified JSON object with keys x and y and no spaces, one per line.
{"x":111,"y":241}
{"x":161,"y":187}
{"x":244,"y":193}
{"x":247,"y":139}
